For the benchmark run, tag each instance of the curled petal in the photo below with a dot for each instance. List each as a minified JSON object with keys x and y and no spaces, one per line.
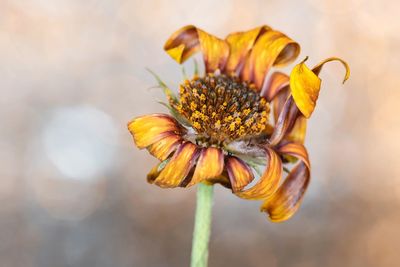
{"x":317,"y":69}
{"x":190,"y":39}
{"x":148,"y":129}
{"x":285,"y":122}
{"x":286,"y":200}
{"x":164,"y":147}
{"x":272,"y":48}
{"x":179,"y":166}
{"x":305,"y":84}
{"x":268,"y":182}
{"x":275,"y":84}
{"x":239,"y":173}
{"x":296,"y":150}
{"x":210,"y":165}
{"x":240,"y":43}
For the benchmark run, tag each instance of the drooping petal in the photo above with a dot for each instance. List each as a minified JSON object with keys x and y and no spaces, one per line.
{"x":268,"y":182}
{"x":272,"y":48}
{"x":285,"y":122}
{"x":164,"y":147}
{"x":286,"y":200}
{"x":179,"y":166}
{"x":209,"y":165}
{"x":239,"y":173}
{"x":305,"y":84}
{"x":298,"y":133}
{"x":240,"y":43}
{"x":155,"y":171}
{"x":274,"y":85}
{"x":148,"y":129}
{"x":186,"y":41}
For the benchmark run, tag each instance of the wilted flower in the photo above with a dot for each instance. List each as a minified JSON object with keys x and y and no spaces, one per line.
{"x":233,"y":125}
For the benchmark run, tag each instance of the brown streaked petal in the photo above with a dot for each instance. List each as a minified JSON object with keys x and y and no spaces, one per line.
{"x":164,"y":147}
{"x":268,"y":182}
{"x":179,"y":166}
{"x":272,"y":48}
{"x":285,"y":122}
{"x":210,"y":165}
{"x":155,"y":171}
{"x":186,"y":41}
{"x":305,"y":84}
{"x":286,"y":200}
{"x":148,"y":129}
{"x":274,"y":85}
{"x":296,"y":150}
{"x":240,"y":43}
{"x":239,"y":173}
{"x":298,"y":133}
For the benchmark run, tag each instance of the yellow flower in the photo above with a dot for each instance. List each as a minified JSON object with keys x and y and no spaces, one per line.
{"x":232,"y":125}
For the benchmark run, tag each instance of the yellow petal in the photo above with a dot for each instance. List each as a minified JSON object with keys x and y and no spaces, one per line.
{"x":210,"y":165}
{"x":239,"y":173}
{"x":183,"y":43}
{"x":287,"y":199}
{"x":268,"y":182}
{"x":272,"y":48}
{"x":190,"y":39}
{"x":179,"y":166}
{"x":215,"y":51}
{"x":305,"y":84}
{"x":164,"y":147}
{"x":240,"y":43}
{"x":148,"y":129}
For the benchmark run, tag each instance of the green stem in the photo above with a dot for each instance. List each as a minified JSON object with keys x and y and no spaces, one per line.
{"x":202,"y":226}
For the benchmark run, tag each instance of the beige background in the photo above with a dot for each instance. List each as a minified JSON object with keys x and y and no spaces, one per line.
{"x":72,"y":185}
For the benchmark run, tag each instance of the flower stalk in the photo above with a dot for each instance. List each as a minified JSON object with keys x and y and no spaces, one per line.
{"x":202,"y":225}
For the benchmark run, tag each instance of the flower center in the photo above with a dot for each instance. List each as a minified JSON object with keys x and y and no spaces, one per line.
{"x":222,"y":108}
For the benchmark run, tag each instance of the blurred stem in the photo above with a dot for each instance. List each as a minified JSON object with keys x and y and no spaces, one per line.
{"x":202,"y":226}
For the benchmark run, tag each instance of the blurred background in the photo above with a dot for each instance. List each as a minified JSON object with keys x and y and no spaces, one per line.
{"x":72,"y":185}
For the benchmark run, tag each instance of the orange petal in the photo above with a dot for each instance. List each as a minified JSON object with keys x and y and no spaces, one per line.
{"x":272,"y":48}
{"x":305,"y":84}
{"x":179,"y":166}
{"x":148,"y":129}
{"x":239,"y":173}
{"x":155,"y":171}
{"x":287,"y":199}
{"x":268,"y":182}
{"x":189,"y":39}
{"x":240,"y":43}
{"x":275,"y":84}
{"x":296,"y":150}
{"x":164,"y":147}
{"x":210,"y":165}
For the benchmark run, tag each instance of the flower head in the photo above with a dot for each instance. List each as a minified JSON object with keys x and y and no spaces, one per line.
{"x":233,"y":125}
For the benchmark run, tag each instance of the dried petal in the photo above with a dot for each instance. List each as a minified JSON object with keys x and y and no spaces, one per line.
{"x":210,"y":165}
{"x":240,"y":43}
{"x":148,"y":129}
{"x":189,"y":39}
{"x":239,"y":173}
{"x":305,"y":84}
{"x":268,"y":182}
{"x":286,"y":200}
{"x":272,"y":48}
{"x":179,"y":166}
{"x":164,"y":147}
